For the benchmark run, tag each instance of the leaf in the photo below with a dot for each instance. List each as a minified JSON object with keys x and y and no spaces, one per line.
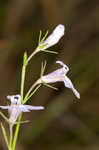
{"x":43,"y":66}
{"x":40,"y":37}
{"x":44,"y":37}
{"x":47,"y":51}
{"x":50,"y":86}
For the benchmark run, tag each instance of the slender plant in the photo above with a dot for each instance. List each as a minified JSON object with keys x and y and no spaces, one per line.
{"x":18,"y":102}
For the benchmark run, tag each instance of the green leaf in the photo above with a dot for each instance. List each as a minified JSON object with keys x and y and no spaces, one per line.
{"x":44,"y":37}
{"x":40,"y":37}
{"x":47,"y":51}
{"x":43,"y":66}
{"x":52,"y":87}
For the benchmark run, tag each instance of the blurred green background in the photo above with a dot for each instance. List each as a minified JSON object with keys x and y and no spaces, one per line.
{"x":66,"y":123}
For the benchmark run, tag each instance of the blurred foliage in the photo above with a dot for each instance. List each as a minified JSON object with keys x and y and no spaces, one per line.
{"x":66,"y":122}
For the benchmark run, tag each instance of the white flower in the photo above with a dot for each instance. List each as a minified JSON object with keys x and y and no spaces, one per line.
{"x":53,"y":38}
{"x":16,"y":107}
{"x":59,"y":76}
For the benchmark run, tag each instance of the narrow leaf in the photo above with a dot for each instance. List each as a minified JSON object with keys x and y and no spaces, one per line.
{"x":44,"y":37}
{"x":43,"y":66}
{"x":52,"y":87}
{"x":40,"y":37}
{"x":47,"y":51}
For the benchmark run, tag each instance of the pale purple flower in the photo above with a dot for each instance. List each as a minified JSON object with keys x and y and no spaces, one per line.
{"x":16,"y":107}
{"x":53,"y":38}
{"x":59,"y":76}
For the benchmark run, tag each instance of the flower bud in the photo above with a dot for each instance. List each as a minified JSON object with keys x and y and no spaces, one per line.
{"x":53,"y":38}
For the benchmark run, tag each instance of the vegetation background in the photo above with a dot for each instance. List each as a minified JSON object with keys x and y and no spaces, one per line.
{"x":66,"y":123}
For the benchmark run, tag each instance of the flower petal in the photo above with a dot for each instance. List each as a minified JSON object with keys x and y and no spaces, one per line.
{"x":5,"y":107}
{"x":76,"y":93}
{"x":62,"y":64}
{"x":15,"y":99}
{"x":53,"y":76}
{"x":23,"y":108}
{"x":14,"y":113}
{"x":29,"y":107}
{"x":69,"y":84}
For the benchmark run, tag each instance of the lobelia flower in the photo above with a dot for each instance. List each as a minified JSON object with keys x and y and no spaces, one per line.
{"x":59,"y":76}
{"x":53,"y":38}
{"x":16,"y":107}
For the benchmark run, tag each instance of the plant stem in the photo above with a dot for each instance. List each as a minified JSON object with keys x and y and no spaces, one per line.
{"x":11,"y":134}
{"x":21,"y":91}
{"x":25,"y":63}
{"x":16,"y":133}
{"x":28,"y":96}
{"x":5,"y":136}
{"x":29,"y":91}
{"x":23,"y":76}
{"x":35,"y":51}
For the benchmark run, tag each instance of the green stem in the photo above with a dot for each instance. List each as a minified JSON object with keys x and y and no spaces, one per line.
{"x":25,"y":63}
{"x":16,"y":133}
{"x":29,"y":58}
{"x":29,"y":91}
{"x":23,"y":76}
{"x":5,"y":136}
{"x":11,"y":134}
{"x":21,"y":91}
{"x":28,"y":95}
